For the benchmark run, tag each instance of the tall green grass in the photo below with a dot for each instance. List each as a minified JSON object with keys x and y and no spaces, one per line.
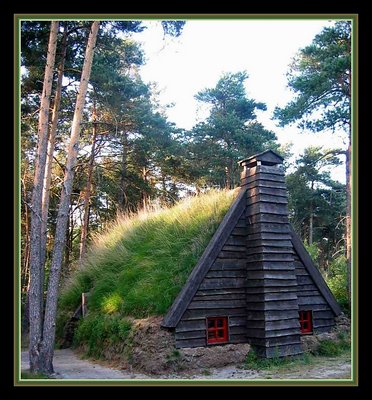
{"x":139,"y":265}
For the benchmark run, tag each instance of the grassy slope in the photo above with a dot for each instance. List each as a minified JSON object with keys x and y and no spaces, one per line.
{"x":139,"y":265}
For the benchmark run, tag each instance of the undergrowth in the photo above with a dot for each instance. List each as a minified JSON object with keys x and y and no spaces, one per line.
{"x":36,"y":375}
{"x":333,"y":348}
{"x":139,"y":265}
{"x":99,"y":332}
{"x":326,"y":348}
{"x":253,"y":361}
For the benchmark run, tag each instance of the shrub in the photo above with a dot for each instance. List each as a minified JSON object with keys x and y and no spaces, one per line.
{"x":97,"y":331}
{"x":334,"y":347}
{"x":328,"y":348}
{"x":337,"y":280}
{"x":253,"y":361}
{"x":313,"y":249}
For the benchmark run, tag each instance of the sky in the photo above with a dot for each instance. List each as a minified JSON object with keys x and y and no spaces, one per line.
{"x":206,"y":49}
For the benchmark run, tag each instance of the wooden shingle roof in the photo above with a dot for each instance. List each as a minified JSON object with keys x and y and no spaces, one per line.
{"x":215,"y":245}
{"x":218,"y":240}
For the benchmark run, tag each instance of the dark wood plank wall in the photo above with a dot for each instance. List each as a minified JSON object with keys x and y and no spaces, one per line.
{"x":272,"y":303}
{"x":217,"y":247}
{"x":310,"y":298}
{"x":221,"y":293}
{"x":313,"y":271}
{"x":257,"y":280}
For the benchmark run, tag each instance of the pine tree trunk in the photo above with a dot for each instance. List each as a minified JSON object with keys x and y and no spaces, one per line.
{"x":25,"y":273}
{"x":311,"y":222}
{"x":145,"y":199}
{"x":68,"y":240}
{"x":228,"y":175}
{"x":26,"y":250}
{"x":36,"y":215}
{"x":123,"y":175}
{"x":45,"y":360}
{"x":87,"y":193}
{"x":311,"y":218}
{"x":50,"y":151}
{"x":232,"y":179}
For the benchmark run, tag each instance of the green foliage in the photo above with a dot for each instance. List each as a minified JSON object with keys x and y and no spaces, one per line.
{"x":137,"y":269}
{"x":313,"y":250}
{"x":314,"y":196}
{"x":140,"y":264}
{"x":321,"y":78}
{"x":328,"y":348}
{"x":174,"y":360}
{"x":173,"y":28}
{"x":231,"y":132}
{"x":63,"y":318}
{"x":36,"y":375}
{"x":253,"y":361}
{"x":333,"y":348}
{"x":337,"y":280}
{"x":344,"y":339}
{"x":142,"y":161}
{"x":81,"y":283}
{"x":99,"y":331}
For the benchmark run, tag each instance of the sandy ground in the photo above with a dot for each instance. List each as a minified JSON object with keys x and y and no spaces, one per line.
{"x":68,"y":366}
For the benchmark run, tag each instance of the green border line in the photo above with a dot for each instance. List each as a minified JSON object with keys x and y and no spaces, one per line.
{"x":17,"y":202}
{"x":354,"y":204}
{"x":18,"y":381}
{"x":144,"y":16}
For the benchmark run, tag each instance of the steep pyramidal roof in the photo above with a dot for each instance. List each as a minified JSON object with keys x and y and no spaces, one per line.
{"x":255,"y":271}
{"x":215,"y":245}
{"x":314,"y":272}
{"x":206,"y":260}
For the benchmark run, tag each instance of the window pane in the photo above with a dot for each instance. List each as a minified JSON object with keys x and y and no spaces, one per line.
{"x":217,"y":330}
{"x":306,"y":322}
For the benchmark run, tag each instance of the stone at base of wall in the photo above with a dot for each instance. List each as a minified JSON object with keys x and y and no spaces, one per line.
{"x":342,"y":323}
{"x":153,"y":351}
{"x":310,"y":343}
{"x":214,"y":356}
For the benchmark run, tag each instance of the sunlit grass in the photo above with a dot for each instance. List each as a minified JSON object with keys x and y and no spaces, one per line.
{"x":139,"y":265}
{"x":112,"y":303}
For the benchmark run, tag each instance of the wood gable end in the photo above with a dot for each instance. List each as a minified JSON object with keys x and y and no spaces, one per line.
{"x":314,"y":272}
{"x":211,"y":252}
{"x":267,"y":157}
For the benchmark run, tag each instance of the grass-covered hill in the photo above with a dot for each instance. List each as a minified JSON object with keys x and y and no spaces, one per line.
{"x":139,"y":264}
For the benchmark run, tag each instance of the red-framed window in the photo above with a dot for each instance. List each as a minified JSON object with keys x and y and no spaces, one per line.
{"x":306,"y":321}
{"x":217,"y":330}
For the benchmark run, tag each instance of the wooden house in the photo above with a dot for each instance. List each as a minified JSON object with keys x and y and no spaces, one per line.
{"x":255,"y":282}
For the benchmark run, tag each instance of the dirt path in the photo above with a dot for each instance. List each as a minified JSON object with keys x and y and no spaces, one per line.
{"x":68,"y":366}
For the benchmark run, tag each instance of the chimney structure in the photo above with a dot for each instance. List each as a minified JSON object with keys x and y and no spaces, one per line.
{"x":255,"y":282}
{"x":273,"y":326}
